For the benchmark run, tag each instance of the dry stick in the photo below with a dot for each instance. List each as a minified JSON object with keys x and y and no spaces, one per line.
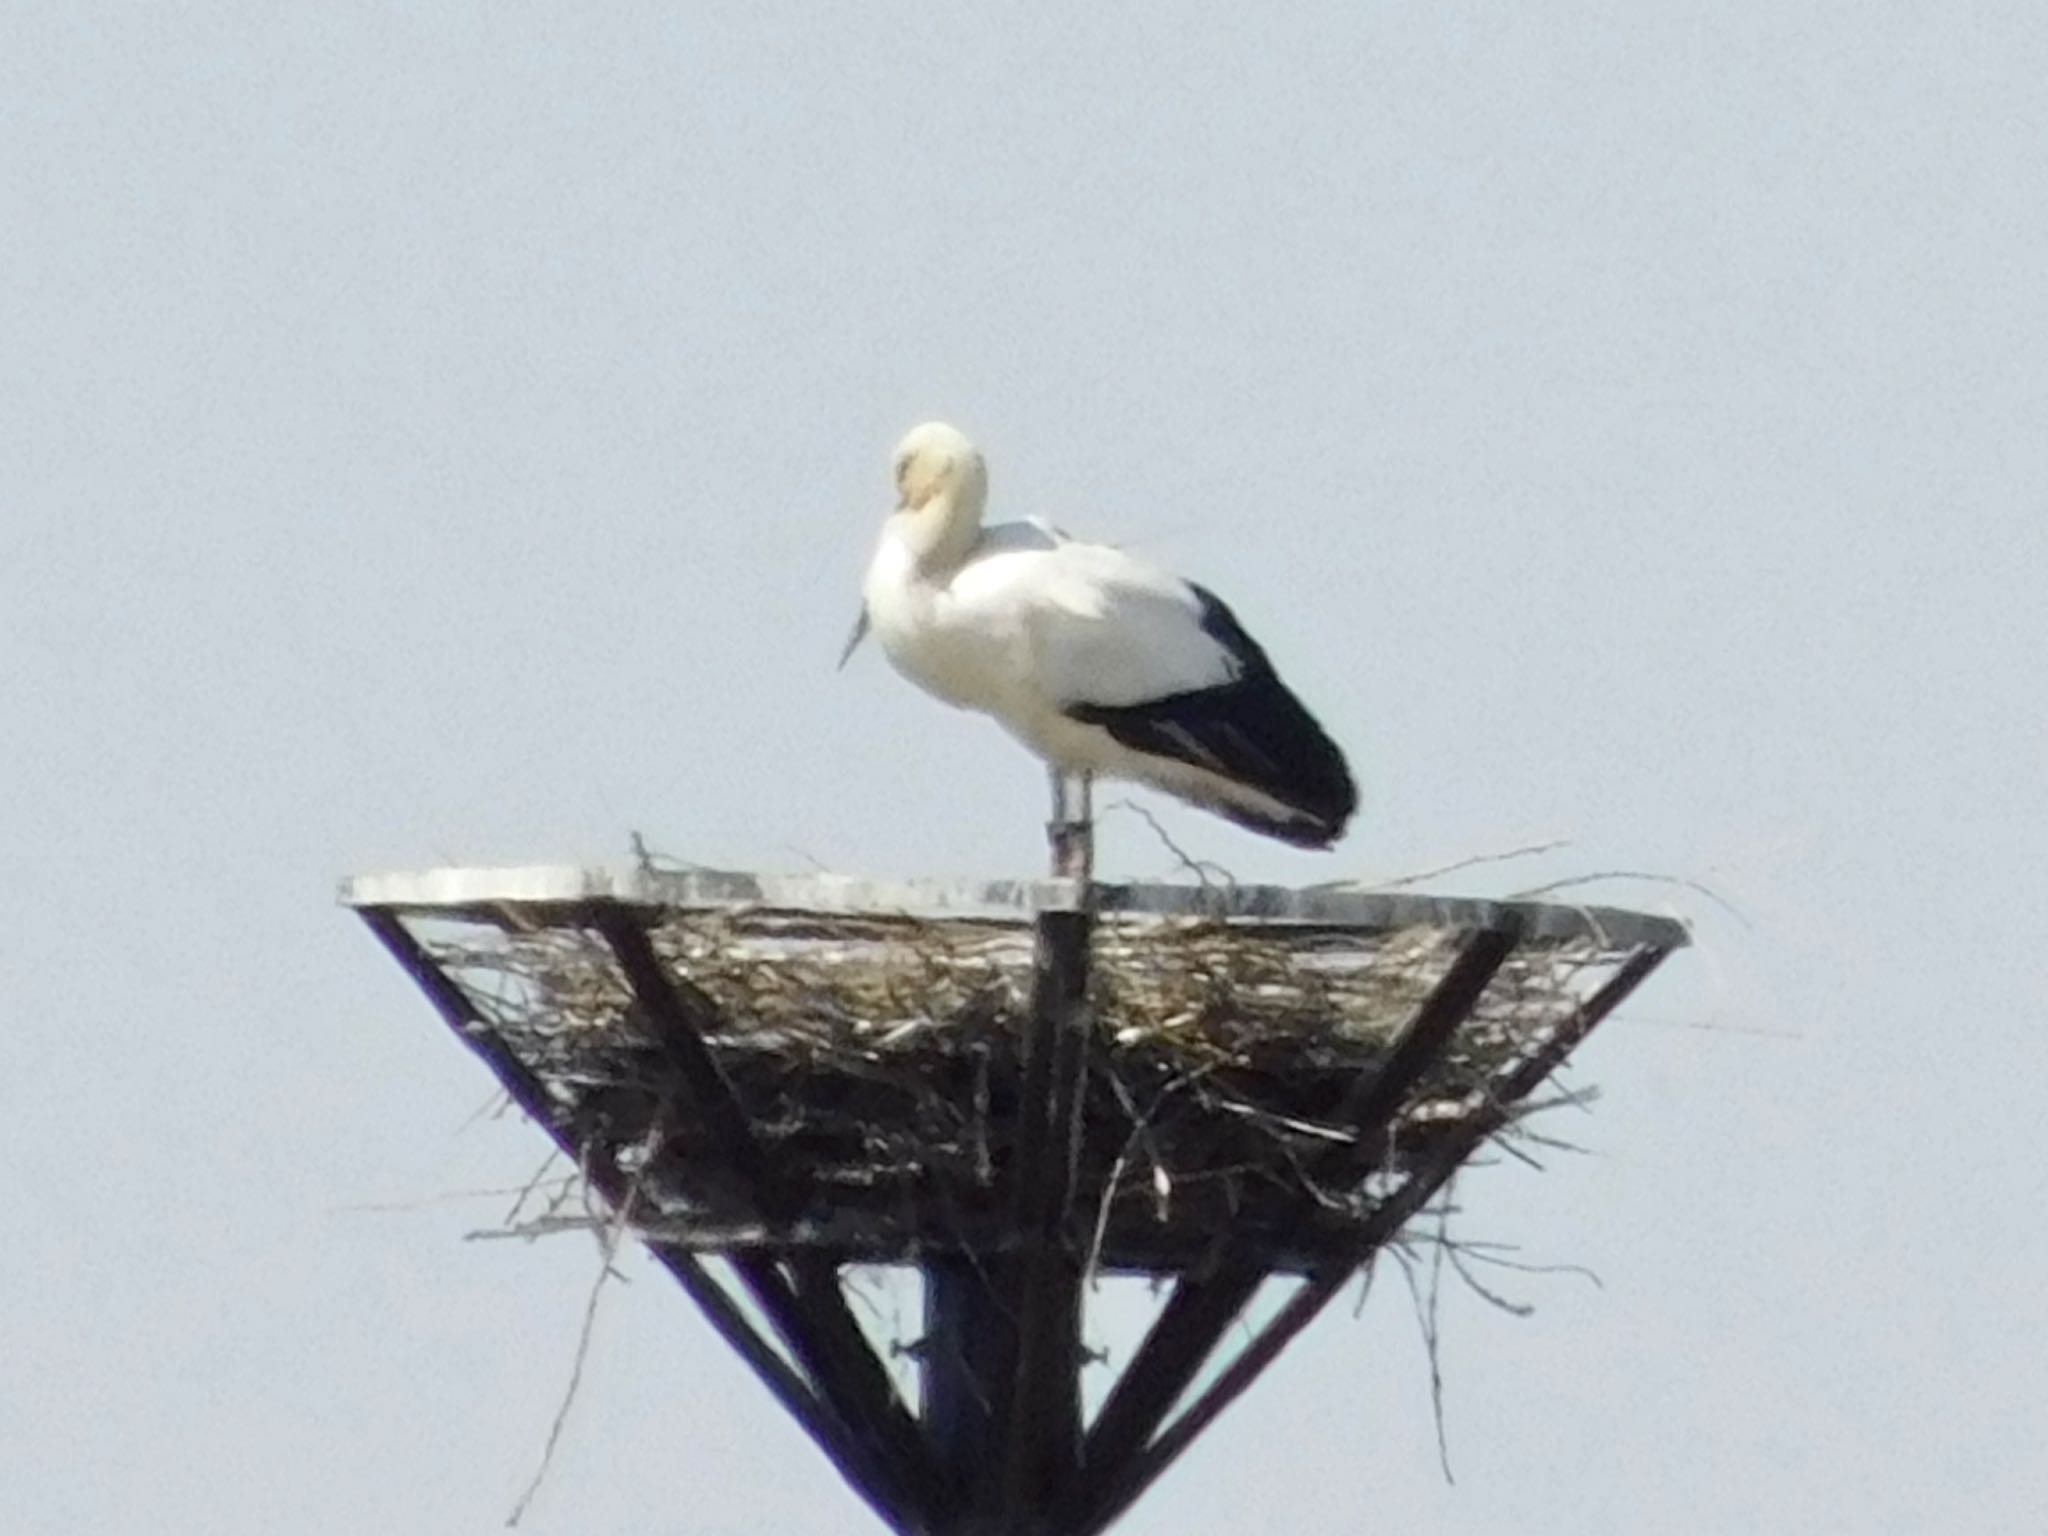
{"x":1199,"y":868}
{"x":650,"y":862}
{"x":1366,"y":1271}
{"x":1490,"y":1253}
{"x":532,"y":1184}
{"x":610,"y":1248}
{"x":1649,"y":876}
{"x":1709,"y":1027}
{"x":538,"y":1227}
{"x":1470,"y":861}
{"x":1454,"y":1252}
{"x":1400,"y":881}
{"x":1141,"y":1127}
{"x":1434,"y":1333}
{"x":490,"y":1109}
{"x":424,"y":1202}
{"x":1423,"y":1304}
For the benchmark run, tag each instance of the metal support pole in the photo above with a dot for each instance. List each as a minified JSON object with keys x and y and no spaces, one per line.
{"x":968,"y":1354}
{"x":1002,"y":1355}
{"x":1045,"y":1419}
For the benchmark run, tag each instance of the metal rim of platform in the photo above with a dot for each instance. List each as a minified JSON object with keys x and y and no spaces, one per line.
{"x":477,"y":890}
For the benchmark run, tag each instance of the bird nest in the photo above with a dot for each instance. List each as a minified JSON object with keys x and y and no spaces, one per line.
{"x":879,"y":1063}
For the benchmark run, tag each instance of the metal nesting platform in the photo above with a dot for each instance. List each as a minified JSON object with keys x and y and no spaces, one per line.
{"x":1011,"y":1086}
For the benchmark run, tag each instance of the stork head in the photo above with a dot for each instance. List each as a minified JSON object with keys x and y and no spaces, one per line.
{"x":936,"y":463}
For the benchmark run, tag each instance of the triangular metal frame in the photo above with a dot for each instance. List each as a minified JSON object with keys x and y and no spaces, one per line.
{"x":997,"y":1444}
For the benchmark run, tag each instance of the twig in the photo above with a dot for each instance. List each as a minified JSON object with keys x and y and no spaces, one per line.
{"x":1141,"y":1134}
{"x":1426,"y":1321}
{"x":1456,"y":1255}
{"x":1366,"y":1271}
{"x":610,"y":1243}
{"x":649,"y":862}
{"x":1478,"y":1253}
{"x":1711,"y":1027}
{"x":817,"y":864}
{"x":424,"y":1202}
{"x":1436,"y":1375}
{"x":1528,"y":850}
{"x":540,"y":1226}
{"x":531,"y":1185}
{"x":1650,"y":876}
{"x":490,"y":1109}
{"x":1200,"y":868}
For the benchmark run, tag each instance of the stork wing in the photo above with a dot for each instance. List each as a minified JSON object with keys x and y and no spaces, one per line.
{"x":1248,"y":729}
{"x":1165,"y":668}
{"x":1105,"y":628}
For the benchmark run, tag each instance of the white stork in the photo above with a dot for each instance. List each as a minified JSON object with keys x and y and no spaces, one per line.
{"x":1098,"y":662}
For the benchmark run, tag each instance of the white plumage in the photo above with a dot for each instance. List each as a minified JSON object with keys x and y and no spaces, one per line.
{"x":1099,"y":662}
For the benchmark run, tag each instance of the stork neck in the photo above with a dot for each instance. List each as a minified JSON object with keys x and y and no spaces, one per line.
{"x":941,"y":533}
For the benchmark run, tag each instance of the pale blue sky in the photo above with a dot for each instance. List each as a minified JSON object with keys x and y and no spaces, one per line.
{"x":454,"y":433}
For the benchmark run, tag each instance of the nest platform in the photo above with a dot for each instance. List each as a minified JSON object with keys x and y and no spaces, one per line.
{"x":1010,"y":1086}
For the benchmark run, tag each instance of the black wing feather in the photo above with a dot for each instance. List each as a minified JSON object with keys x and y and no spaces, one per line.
{"x":1251,"y":730}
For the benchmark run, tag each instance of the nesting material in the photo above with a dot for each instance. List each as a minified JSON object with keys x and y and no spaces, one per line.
{"x":879,"y":1061}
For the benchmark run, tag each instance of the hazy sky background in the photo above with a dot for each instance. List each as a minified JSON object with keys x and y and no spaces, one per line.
{"x":454,"y":433}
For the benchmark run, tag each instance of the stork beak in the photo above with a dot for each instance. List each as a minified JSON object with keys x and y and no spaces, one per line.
{"x":860,"y":633}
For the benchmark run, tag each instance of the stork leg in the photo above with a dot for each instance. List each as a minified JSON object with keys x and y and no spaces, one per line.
{"x":1084,"y":825}
{"x":1071,"y":832}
